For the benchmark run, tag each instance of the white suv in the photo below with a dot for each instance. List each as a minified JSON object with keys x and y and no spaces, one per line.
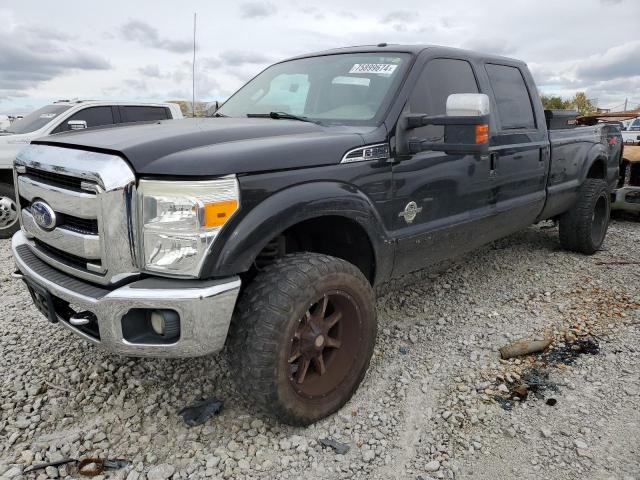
{"x":61,"y":117}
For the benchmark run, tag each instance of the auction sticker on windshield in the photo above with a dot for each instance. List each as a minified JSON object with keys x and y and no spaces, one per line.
{"x":382,"y":68}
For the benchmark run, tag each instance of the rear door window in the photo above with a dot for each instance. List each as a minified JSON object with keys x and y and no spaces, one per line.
{"x":512,"y":97}
{"x":94,"y":116}
{"x":440,"y":78}
{"x":133,"y":113}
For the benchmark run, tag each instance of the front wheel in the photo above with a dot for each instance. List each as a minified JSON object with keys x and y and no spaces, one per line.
{"x":584,"y":227}
{"x":303,"y":336}
{"x":9,"y":223}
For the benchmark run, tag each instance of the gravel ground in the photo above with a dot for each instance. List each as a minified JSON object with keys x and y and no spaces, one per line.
{"x":437,"y":402}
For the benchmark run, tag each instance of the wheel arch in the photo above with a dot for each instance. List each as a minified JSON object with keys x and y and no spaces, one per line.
{"x":6,"y":176}
{"x":305,"y":208}
{"x":599,"y":166}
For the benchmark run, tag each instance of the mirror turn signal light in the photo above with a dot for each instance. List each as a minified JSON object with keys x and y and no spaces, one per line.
{"x":217,"y":214}
{"x":482,"y":133}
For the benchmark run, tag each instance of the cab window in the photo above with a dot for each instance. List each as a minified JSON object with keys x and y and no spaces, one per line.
{"x":94,"y":116}
{"x":512,"y":97}
{"x":440,"y":78}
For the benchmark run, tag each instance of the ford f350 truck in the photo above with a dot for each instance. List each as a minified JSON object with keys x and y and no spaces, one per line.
{"x":266,"y":228}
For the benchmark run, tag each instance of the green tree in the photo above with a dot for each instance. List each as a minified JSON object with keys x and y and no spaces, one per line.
{"x":551,"y":102}
{"x":579,"y":102}
{"x":582,"y":104}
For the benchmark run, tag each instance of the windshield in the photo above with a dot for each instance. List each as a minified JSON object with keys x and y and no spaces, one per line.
{"x":38,"y":119}
{"x":332,"y":89}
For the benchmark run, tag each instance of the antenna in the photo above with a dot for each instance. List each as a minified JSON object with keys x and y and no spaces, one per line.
{"x":193,"y":70}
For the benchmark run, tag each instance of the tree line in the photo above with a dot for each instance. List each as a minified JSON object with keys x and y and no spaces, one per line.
{"x":579,"y":102}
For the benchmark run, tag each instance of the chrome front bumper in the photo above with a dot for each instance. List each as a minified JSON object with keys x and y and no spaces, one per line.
{"x":205,"y":307}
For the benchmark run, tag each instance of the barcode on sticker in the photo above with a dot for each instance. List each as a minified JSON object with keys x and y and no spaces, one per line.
{"x":383,"y":68}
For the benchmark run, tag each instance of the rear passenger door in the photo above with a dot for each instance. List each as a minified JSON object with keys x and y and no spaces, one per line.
{"x":143,"y":113}
{"x":519,"y":150}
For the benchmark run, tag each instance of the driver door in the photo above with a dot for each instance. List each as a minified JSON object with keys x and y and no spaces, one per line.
{"x":440,"y":199}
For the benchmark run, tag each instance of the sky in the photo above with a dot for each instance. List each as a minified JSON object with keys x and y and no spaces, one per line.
{"x":142,"y":50}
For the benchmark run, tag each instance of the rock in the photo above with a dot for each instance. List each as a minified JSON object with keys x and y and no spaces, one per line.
{"x":161,"y":472}
{"x":546,"y":432}
{"x":583,"y":452}
{"x":52,"y":472}
{"x":133,"y":475}
{"x":285,"y":444}
{"x":368,"y":455}
{"x":579,"y":444}
{"x":27,"y":457}
{"x":257,"y":424}
{"x":432,"y":466}
{"x":12,"y":472}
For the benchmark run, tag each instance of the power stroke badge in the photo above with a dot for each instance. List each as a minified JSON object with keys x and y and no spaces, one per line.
{"x":410,"y":212}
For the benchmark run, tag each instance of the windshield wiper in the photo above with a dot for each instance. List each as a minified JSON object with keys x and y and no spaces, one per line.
{"x":282,"y":115}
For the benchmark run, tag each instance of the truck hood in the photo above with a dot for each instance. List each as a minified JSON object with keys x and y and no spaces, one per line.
{"x":217,"y":146}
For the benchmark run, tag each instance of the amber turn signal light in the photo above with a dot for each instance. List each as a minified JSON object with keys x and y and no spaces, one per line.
{"x":217,"y":214}
{"x":482,"y":133}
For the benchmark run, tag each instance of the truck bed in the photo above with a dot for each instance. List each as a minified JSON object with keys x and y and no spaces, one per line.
{"x":566,"y":174}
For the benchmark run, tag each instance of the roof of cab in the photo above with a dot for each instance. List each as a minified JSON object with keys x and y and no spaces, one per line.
{"x":412,"y":49}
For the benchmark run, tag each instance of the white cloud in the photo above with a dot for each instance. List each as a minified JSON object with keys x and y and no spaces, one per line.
{"x":257,"y":9}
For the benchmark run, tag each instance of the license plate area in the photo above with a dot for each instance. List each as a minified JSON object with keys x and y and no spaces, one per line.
{"x":43,"y":300}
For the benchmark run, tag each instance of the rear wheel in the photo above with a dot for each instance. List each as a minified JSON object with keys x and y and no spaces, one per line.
{"x":584,"y":227}
{"x":303,"y":337}
{"x":8,"y":211}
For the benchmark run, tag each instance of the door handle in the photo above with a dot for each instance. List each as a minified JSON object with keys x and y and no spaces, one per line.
{"x":493,"y":161}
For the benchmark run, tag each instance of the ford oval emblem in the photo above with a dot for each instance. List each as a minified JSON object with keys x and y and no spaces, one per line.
{"x":43,"y":215}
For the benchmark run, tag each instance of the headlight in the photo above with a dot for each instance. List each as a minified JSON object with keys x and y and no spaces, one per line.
{"x":181,"y":219}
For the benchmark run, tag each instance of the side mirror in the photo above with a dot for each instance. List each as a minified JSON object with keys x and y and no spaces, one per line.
{"x":211,"y":108}
{"x":466,"y":126}
{"x":77,"y":124}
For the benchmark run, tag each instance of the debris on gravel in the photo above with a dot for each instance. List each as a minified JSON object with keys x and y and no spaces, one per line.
{"x":437,"y":403}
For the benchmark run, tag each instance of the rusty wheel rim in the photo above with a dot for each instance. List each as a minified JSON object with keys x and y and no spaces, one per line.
{"x":324,"y":345}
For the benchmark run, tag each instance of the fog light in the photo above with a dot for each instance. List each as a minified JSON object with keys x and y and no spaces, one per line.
{"x":165,"y":323}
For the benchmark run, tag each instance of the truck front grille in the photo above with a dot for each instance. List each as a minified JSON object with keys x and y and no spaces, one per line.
{"x":56,"y":179}
{"x":92,"y":196}
{"x":60,"y":255}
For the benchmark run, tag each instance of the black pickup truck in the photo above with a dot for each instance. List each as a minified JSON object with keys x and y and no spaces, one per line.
{"x":266,"y":228}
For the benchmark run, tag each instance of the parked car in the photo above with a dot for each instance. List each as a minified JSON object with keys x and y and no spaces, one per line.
{"x":267,"y":227}
{"x":632,"y":133}
{"x":63,"y":116}
{"x":5,"y":122}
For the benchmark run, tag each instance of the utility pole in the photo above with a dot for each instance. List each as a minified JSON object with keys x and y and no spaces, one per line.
{"x":193,"y":70}
{"x":625,"y":104}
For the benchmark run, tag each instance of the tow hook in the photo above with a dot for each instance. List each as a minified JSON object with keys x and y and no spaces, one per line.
{"x":17,"y":275}
{"x":82,"y":318}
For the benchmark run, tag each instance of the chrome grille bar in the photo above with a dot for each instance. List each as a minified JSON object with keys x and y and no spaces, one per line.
{"x":85,"y":246}
{"x":78,"y":204}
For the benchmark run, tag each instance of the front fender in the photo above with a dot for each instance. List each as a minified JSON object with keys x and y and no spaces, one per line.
{"x":237,"y":250}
